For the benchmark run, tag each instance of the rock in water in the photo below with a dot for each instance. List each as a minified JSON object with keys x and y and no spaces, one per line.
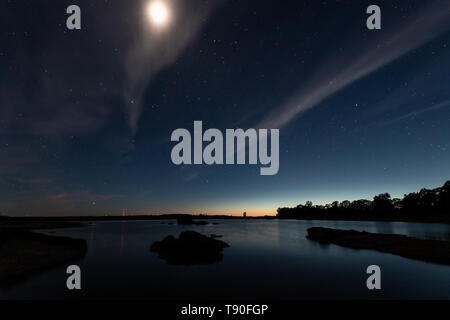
{"x":24,"y":253}
{"x":189,"y":221}
{"x":419,"y":249}
{"x":190,"y":248}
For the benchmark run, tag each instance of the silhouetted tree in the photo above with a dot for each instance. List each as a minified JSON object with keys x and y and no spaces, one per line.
{"x":397,"y":203}
{"x":382,"y":203}
{"x":411,"y":201}
{"x":359,"y":206}
{"x":345,"y":204}
{"x":444,"y":198}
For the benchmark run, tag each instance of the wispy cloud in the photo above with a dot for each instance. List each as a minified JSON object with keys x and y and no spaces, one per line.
{"x":416,"y":113}
{"x":82,"y":196}
{"x":34,"y":181}
{"x":48,"y":92}
{"x":188,"y":174}
{"x":155,"y":50}
{"x":339,"y":72}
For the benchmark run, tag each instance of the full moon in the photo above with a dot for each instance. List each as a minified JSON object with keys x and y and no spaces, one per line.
{"x":158,"y":13}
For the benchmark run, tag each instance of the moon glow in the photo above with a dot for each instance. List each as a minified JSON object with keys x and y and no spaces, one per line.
{"x":158,"y":13}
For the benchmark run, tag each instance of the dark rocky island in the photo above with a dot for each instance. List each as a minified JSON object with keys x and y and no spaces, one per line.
{"x":187,"y":220}
{"x":425,"y":250}
{"x":24,"y":253}
{"x":190,"y":248}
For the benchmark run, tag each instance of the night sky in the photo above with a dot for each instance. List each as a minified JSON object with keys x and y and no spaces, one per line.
{"x":86,"y":115}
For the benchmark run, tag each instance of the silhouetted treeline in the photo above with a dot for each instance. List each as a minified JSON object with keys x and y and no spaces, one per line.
{"x":426,"y":203}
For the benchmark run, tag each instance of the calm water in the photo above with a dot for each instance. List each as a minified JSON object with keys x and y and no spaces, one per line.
{"x":266,"y":260}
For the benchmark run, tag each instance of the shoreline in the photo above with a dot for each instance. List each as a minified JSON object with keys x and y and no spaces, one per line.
{"x":23,"y":224}
{"x":433,"y":251}
{"x":442,"y":220}
{"x":24,"y":253}
{"x":77,"y":221}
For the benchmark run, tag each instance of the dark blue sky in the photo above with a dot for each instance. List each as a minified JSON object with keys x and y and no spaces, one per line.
{"x":86,"y":115}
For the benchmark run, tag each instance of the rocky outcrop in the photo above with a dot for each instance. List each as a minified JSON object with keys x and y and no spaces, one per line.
{"x":190,"y":248}
{"x":425,"y":250}
{"x":23,"y":253}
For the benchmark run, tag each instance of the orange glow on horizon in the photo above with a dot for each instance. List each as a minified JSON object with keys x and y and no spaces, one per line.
{"x":220,"y":212}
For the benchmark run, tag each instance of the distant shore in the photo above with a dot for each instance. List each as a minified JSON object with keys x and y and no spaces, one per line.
{"x":6,"y":219}
{"x":77,"y":221}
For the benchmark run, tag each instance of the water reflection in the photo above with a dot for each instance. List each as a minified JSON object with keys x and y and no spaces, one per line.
{"x":383,"y":227}
{"x":267,"y":259}
{"x":122,"y":236}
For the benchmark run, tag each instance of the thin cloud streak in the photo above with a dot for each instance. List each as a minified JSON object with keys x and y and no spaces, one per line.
{"x":157,"y":49}
{"x":438,"y":106}
{"x":431,"y":22}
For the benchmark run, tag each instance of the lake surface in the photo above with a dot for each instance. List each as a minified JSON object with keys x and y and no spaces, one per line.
{"x":267,"y":259}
